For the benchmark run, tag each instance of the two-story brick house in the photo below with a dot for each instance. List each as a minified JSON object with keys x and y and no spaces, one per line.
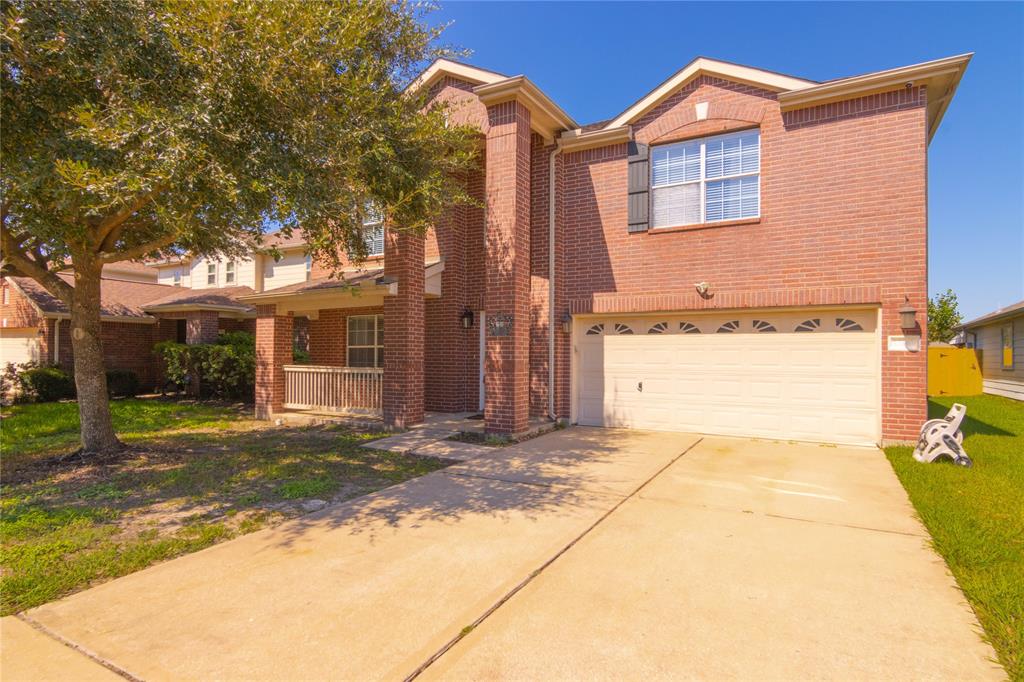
{"x":740,"y":252}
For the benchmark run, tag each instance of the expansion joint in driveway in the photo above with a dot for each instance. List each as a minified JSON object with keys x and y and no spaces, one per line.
{"x":64,"y":641}
{"x":540,"y":569}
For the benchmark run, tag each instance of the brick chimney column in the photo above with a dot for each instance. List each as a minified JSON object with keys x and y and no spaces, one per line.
{"x":403,"y":330}
{"x":273,"y":352}
{"x":507,"y":296}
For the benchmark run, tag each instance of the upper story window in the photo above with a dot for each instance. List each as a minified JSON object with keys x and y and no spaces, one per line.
{"x":706,"y":180}
{"x":229,"y":272}
{"x":211,"y":273}
{"x":7,"y":295}
{"x":177,"y":277}
{"x":373,"y":233}
{"x":309,"y":267}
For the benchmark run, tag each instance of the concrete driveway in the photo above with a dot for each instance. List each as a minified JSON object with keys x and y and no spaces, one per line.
{"x":586,"y":553}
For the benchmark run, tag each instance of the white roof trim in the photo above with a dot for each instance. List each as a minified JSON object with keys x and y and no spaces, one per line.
{"x":703,"y":65}
{"x":546,"y":117}
{"x":442,"y":67}
{"x":940,"y":75}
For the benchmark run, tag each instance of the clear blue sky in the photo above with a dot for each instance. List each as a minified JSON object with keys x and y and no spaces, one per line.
{"x":595,"y":59}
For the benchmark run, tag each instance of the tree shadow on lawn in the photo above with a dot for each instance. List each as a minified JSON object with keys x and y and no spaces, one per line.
{"x":211,"y":473}
{"x":68,"y":524}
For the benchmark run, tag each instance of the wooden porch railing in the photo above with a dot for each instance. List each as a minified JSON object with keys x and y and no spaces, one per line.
{"x":337,"y":389}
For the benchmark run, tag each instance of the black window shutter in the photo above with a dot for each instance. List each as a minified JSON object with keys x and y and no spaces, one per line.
{"x":639,"y":187}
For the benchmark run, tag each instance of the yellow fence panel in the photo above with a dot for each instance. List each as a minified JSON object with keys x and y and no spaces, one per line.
{"x":954,"y":371}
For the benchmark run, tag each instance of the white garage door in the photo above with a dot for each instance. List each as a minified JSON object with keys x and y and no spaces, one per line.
{"x":794,"y":375}
{"x":18,"y":345}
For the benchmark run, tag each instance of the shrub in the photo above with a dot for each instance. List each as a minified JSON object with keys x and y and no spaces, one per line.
{"x":47,"y":384}
{"x":300,"y":357}
{"x":122,"y":383}
{"x":226,"y":369}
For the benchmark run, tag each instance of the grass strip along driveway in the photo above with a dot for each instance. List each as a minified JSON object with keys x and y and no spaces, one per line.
{"x":193,"y":475}
{"x":976,"y":515}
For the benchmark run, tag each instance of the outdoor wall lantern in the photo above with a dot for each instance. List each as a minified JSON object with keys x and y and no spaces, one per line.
{"x":467,"y":318}
{"x":908,"y":316}
{"x":567,"y":323}
{"x":908,"y":321}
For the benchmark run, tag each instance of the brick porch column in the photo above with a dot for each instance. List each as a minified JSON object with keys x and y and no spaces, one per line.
{"x":273,"y":352}
{"x":201,"y":326}
{"x":507,"y":261}
{"x":403,"y":330}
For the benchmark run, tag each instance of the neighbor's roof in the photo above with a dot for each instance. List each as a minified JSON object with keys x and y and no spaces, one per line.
{"x":996,"y":315}
{"x":224,"y":300}
{"x":119,"y":298}
{"x":319,"y":284}
{"x":130,"y":266}
{"x":281,"y":241}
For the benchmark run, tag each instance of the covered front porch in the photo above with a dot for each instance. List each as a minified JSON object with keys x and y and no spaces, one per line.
{"x":356,"y":340}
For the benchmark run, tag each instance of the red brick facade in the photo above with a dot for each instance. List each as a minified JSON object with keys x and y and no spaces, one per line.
{"x":274,"y":350}
{"x":826,"y":236}
{"x":404,"y":324}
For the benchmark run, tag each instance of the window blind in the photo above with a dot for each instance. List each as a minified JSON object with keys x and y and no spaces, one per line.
{"x":706,"y":180}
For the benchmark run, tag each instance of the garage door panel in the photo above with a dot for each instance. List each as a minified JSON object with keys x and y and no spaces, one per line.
{"x":821,"y":385}
{"x":19,"y":345}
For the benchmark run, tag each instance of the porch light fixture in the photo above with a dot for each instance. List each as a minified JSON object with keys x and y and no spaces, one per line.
{"x":908,"y":316}
{"x":567,"y":323}
{"x":908,"y":321}
{"x":467,"y":318}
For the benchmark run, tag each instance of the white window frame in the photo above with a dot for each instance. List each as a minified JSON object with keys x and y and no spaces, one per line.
{"x":378,"y":342}
{"x":176,"y":276}
{"x":370,"y":231}
{"x":309,"y":267}
{"x":211,"y":271}
{"x":704,"y":180}
{"x":229,"y":272}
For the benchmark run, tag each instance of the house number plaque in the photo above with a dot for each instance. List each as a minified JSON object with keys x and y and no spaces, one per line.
{"x":499,"y":324}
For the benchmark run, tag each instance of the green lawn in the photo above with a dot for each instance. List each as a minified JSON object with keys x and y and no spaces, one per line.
{"x":976,"y":515}
{"x":194,"y":475}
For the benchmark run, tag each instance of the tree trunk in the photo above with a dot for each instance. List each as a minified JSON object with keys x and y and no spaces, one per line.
{"x":97,"y":430}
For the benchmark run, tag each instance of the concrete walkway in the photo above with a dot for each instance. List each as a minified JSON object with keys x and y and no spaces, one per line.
{"x":585,"y":553}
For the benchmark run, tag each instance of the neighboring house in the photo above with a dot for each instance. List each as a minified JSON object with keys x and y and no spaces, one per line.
{"x":999,"y":336}
{"x":739,"y":252}
{"x":36,"y":325}
{"x":185,"y":299}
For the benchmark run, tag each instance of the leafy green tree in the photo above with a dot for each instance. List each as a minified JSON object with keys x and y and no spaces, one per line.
{"x":943,"y":317}
{"x":138,"y":127}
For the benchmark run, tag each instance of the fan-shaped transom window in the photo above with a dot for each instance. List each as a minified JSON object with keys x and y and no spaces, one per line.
{"x":596,"y":330}
{"x":660,"y":328}
{"x":763,"y":326}
{"x":729,"y":327}
{"x":844,"y":324}
{"x":687,"y":328}
{"x":808,"y":325}
{"x":622,"y":328}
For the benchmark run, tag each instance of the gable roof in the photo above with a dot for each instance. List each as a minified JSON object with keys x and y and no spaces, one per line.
{"x":442,"y":67}
{"x":1009,"y":311}
{"x":119,"y":299}
{"x":769,"y":80}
